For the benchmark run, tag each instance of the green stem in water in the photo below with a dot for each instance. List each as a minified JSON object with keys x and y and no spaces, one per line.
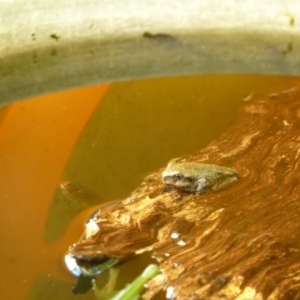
{"x":134,"y":289}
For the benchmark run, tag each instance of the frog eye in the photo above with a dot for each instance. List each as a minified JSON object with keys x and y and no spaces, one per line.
{"x":178,"y":176}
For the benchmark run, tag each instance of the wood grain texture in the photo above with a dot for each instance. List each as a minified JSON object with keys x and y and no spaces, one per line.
{"x":238,"y":243}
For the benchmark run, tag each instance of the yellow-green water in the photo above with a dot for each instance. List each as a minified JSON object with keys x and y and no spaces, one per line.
{"x":107,"y":146}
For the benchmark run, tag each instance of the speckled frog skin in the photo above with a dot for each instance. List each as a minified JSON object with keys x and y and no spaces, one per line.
{"x":196,"y":177}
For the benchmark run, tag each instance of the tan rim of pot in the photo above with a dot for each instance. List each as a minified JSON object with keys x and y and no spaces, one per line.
{"x":53,"y":45}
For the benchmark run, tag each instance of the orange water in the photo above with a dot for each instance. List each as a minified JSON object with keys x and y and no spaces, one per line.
{"x":36,"y":138}
{"x":152,"y":121}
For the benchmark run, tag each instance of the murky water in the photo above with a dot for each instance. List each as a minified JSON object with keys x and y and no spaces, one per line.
{"x":107,"y":146}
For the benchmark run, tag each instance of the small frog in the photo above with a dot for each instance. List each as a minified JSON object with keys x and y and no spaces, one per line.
{"x":195,"y":177}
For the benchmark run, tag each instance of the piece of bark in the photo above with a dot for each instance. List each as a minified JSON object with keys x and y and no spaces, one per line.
{"x":238,"y":243}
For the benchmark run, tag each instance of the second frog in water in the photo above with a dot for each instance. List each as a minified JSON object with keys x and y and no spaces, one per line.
{"x":195,"y":177}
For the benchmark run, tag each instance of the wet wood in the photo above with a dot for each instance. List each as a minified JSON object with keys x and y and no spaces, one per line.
{"x":239,"y":243}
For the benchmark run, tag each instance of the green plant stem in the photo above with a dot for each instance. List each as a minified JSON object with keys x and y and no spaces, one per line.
{"x":133,"y":290}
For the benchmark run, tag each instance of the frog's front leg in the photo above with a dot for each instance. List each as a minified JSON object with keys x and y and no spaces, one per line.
{"x":222,"y":184}
{"x":201,"y":184}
